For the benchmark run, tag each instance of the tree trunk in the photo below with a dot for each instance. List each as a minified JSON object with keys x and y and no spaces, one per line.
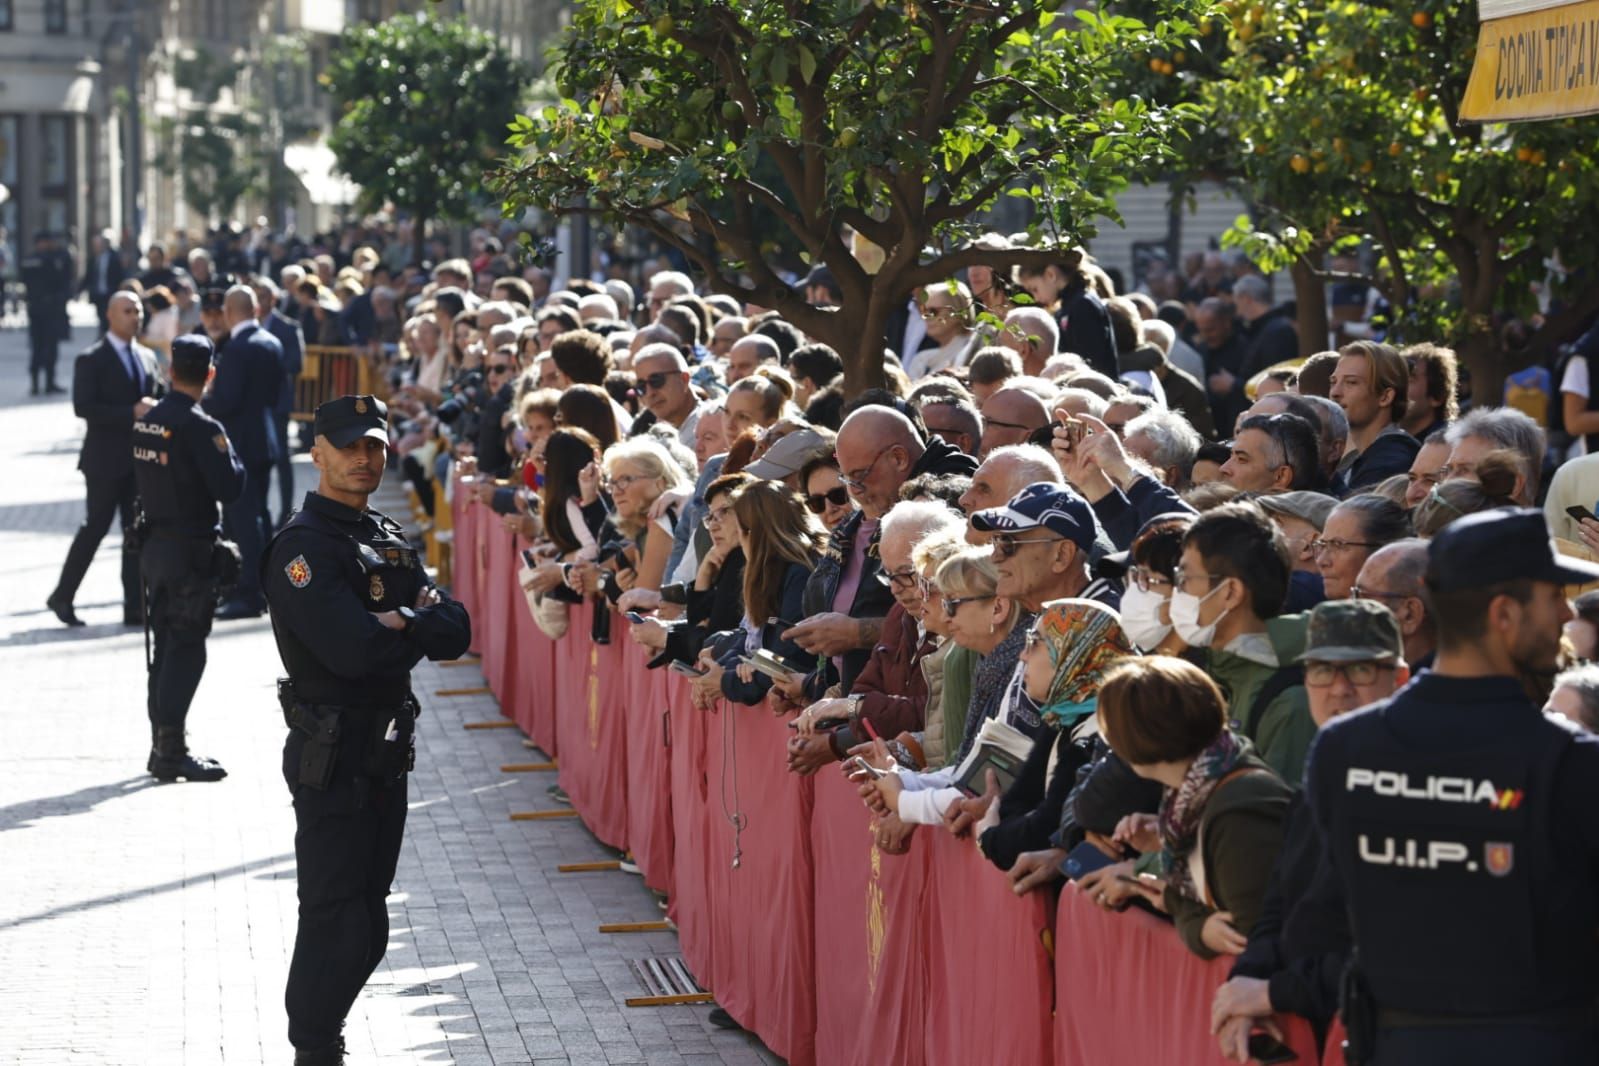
{"x":860,"y":340}
{"x":1479,"y":354}
{"x":1310,"y":304}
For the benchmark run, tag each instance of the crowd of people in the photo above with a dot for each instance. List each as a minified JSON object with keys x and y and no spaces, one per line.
{"x":1047,"y":590}
{"x":1086,"y":582}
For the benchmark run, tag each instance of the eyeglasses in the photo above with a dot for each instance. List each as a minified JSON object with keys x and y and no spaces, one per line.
{"x":1320,"y":675}
{"x":859,"y":483}
{"x":1181,"y":577}
{"x":818,"y":503}
{"x":1033,"y":637}
{"x":1009,"y":425}
{"x":953,"y":604}
{"x":1147,"y":580}
{"x":618,"y":484}
{"x":901,"y":580}
{"x":499,"y":368}
{"x":655,"y":382}
{"x":1358,"y":593}
{"x":1454,"y":470}
{"x":934,"y":312}
{"x":1007,"y":544}
{"x":716,"y":516}
{"x":1325,"y":544}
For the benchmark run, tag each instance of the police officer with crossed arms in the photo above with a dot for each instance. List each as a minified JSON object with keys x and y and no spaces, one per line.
{"x":353,"y":611}
{"x":1460,"y":824}
{"x":186,"y":470}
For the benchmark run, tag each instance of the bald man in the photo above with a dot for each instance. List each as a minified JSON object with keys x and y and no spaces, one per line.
{"x":1010,"y":415}
{"x":113,"y":384}
{"x":878,"y":449}
{"x":249,"y":378}
{"x":1393,"y":576}
{"x":748,"y":353}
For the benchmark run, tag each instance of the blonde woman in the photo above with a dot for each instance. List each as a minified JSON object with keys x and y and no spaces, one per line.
{"x":636,"y":473}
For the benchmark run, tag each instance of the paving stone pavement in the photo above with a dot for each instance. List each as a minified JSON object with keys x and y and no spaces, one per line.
{"x":153,"y":924}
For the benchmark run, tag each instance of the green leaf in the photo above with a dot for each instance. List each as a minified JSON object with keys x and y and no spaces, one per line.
{"x":807,"y":64}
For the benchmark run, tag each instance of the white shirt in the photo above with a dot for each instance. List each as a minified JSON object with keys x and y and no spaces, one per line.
{"x":1575,"y":483}
{"x":1577,"y":383}
{"x":247,"y":324}
{"x":931,"y":360}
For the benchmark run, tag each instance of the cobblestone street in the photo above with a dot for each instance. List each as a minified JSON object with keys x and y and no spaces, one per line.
{"x":153,"y":924}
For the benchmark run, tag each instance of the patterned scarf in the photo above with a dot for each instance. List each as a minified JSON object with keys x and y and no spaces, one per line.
{"x":1182,"y":808}
{"x":1084,"y":639}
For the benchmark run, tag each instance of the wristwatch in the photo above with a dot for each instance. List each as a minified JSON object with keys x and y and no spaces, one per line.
{"x":410,"y":619}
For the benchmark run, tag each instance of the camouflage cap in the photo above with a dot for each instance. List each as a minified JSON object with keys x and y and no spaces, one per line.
{"x":1351,"y":631}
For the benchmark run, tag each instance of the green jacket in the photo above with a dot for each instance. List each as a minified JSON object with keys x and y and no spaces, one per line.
{"x":1286,"y":729}
{"x":959,"y":666}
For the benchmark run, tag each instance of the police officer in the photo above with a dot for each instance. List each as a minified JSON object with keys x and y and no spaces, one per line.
{"x":186,"y":469}
{"x":48,"y":278}
{"x":353,"y":611}
{"x":1459,"y":824}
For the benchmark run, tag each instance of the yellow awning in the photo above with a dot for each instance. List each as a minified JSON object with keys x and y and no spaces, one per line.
{"x":1538,"y":64}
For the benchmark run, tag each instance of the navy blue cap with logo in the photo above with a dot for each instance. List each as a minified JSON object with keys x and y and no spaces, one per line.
{"x":1041,"y":505}
{"x":1507,"y":544}
{"x":349,"y":418}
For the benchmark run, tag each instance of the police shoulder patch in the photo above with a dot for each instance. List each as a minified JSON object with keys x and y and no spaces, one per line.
{"x":221,"y":441}
{"x":298,"y":572}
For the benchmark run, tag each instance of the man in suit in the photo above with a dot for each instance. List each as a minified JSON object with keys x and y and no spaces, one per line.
{"x":47,"y":284}
{"x":103,"y":276}
{"x":244,"y":397}
{"x":287,"y":331}
{"x":113,"y":384}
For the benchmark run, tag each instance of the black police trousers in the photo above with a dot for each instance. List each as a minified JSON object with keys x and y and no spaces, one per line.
{"x":1485,"y":1045}
{"x":181,"y":598}
{"x":346,"y":846}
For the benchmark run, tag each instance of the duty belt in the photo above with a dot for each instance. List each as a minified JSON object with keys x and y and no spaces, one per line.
{"x":1553,"y":1018}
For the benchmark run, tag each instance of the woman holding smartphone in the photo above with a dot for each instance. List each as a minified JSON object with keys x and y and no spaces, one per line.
{"x":716,"y":599}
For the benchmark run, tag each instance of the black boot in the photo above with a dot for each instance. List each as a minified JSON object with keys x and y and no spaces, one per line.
{"x":170,"y":760}
{"x":332,"y":1055}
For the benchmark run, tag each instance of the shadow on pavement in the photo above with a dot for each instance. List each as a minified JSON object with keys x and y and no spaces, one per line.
{"x":23,"y":815}
{"x":175,"y":885}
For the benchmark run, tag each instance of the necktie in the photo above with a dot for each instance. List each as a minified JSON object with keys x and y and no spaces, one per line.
{"x":132,"y":362}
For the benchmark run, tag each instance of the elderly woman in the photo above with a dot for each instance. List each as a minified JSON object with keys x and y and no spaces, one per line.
{"x":1353,"y":531}
{"x":638,"y":471}
{"x":1220,"y":824}
{"x":1068,"y":652}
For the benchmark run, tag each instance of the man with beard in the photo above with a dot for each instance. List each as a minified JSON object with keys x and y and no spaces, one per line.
{"x":1458,"y":824}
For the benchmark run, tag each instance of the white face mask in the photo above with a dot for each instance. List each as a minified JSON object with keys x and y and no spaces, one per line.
{"x":1141,"y":617}
{"x":1185,"y":617}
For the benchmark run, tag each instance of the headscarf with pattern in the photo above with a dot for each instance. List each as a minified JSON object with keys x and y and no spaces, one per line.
{"x":1084,"y":639}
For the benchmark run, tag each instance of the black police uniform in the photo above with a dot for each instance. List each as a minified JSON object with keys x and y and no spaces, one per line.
{"x":186,"y":469}
{"x":348,"y":703}
{"x":48,"y":287}
{"x":1458,"y":821}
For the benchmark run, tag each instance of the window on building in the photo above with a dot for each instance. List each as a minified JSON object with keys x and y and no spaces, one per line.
{"x":55,"y":16}
{"x":6,"y":7}
{"x":55,"y":173}
{"x":10,"y":151}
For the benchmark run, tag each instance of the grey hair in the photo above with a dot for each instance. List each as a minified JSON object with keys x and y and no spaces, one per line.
{"x":1097,"y":405}
{"x":920,"y":518}
{"x":1334,"y":422}
{"x":1175,"y":439}
{"x":1036,"y":322}
{"x":1505,"y":427}
{"x":675,"y":278}
{"x":1584,"y":681}
{"x":1036,"y":463}
{"x":1254,"y":287}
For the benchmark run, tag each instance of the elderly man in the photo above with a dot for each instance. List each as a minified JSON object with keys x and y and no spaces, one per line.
{"x":1484,"y":430}
{"x":1033,"y":334}
{"x":955,"y":421}
{"x":878,"y":451}
{"x":748,"y":354}
{"x":1011,"y":415}
{"x":1004,"y":473}
{"x":1394,"y":576}
{"x":1166,"y":442}
{"x":663,"y":383}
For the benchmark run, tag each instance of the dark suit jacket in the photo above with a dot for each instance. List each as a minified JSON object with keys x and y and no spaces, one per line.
{"x":103,"y":395}
{"x":287,"y":331}
{"x":244,"y":394}
{"x":114,"y":276}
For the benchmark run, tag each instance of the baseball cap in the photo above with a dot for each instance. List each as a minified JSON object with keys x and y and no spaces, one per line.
{"x":1352,"y":631}
{"x":820,"y":274}
{"x":788,"y":455}
{"x":1508,"y":544}
{"x":1312,"y":507}
{"x":1042,"y":504}
{"x":349,"y":418}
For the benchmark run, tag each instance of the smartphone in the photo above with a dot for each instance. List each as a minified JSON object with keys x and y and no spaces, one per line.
{"x":1044,"y":436}
{"x":1084,"y":859}
{"x":770,"y":665}
{"x":529,"y":559}
{"x":1267,"y":1049}
{"x":634,"y":617}
{"x":685,"y":669}
{"x":1579,"y":512}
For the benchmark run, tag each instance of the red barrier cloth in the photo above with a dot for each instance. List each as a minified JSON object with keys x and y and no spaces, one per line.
{"x":1332,"y":1052}
{"x":989,"y":991}
{"x":871,"y":974}
{"x":649,"y":767}
{"x":537,"y":656}
{"x":495,"y":617}
{"x":466,"y":576}
{"x":763,"y":963}
{"x":1128,"y":991}
{"x":693,"y":807}
{"x":596,"y":724}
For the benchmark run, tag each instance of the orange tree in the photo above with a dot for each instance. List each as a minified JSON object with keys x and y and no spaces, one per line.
{"x":1342,"y":121}
{"x":698,"y":120}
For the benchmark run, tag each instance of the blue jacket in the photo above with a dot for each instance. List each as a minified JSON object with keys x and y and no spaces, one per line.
{"x":288,"y":333}
{"x":244,"y":395}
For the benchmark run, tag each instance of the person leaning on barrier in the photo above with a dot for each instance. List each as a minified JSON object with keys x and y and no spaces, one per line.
{"x":1457,"y":822}
{"x":186,"y":470}
{"x":353,"y":611}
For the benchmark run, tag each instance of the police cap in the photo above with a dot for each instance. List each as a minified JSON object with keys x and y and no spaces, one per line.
{"x":191,"y":356}
{"x":349,"y":418}
{"x":1352,"y":631}
{"x":1491,"y":547}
